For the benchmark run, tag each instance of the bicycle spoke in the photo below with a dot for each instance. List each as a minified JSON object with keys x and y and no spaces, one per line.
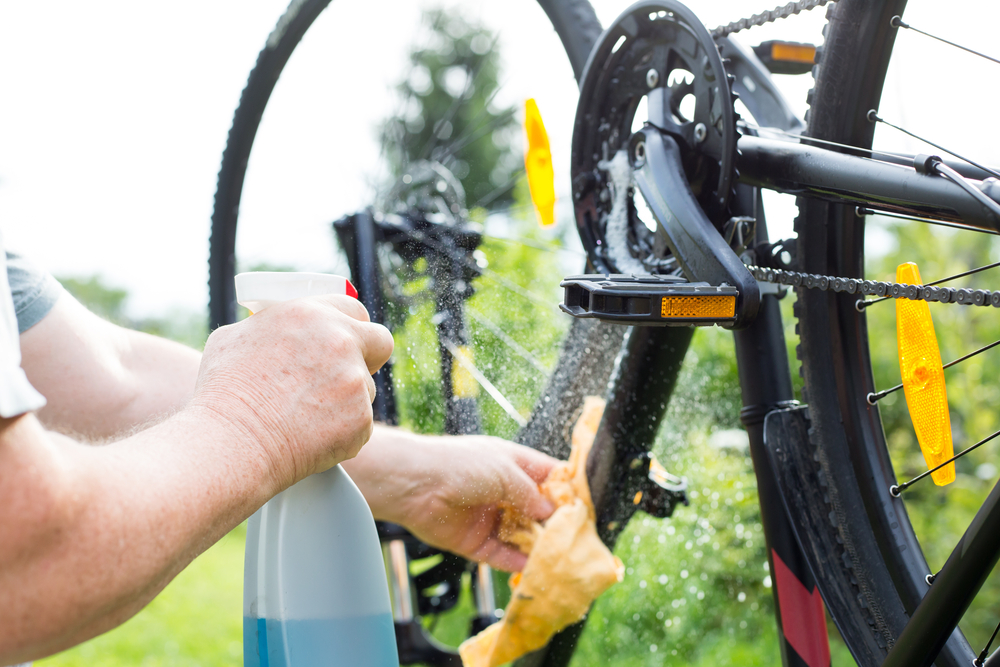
{"x":875,"y":118}
{"x":477,"y":134}
{"x":874,"y":398}
{"x":986,"y":649}
{"x":499,"y":191}
{"x":897,"y":489}
{"x":457,"y":102}
{"x":897,"y":22}
{"x":501,"y":400}
{"x":862,"y":210}
{"x":505,"y":338}
{"x":823,"y":142}
{"x":529,"y":243}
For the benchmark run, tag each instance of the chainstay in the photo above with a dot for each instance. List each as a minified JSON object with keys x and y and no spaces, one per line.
{"x":768,"y":17}
{"x":968,"y":297}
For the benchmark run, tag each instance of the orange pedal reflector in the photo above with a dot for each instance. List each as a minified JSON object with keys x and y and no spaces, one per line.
{"x":538,"y":165}
{"x":795,"y":53}
{"x":923,"y":378}
{"x":698,"y":306}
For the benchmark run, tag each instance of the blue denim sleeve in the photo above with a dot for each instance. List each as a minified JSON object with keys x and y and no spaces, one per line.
{"x":34,"y":291}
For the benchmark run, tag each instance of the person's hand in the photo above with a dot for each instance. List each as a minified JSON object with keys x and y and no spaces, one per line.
{"x":447,"y":490}
{"x":296,"y":378}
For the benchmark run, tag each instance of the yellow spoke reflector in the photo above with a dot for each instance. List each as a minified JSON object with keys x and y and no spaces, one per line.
{"x":923,"y":378}
{"x":538,"y":165}
{"x":463,"y":382}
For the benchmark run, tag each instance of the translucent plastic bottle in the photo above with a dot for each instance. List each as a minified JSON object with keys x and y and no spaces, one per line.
{"x":314,"y":585}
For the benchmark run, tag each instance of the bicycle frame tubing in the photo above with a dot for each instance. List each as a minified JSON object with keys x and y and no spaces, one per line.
{"x":766,"y":385}
{"x":824,"y":174}
{"x":810,"y":171}
{"x":952,"y":591}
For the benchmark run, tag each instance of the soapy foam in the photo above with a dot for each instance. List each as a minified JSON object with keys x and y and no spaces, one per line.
{"x":616,"y":229}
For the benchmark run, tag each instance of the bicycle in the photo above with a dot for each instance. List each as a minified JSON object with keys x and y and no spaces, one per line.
{"x":830,"y":500}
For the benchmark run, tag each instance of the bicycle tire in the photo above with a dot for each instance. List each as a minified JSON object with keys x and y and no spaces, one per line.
{"x":880,"y":565}
{"x":578,"y":29}
{"x":573,"y":20}
{"x":590,"y":348}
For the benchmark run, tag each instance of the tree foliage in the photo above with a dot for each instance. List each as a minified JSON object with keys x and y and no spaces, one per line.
{"x":449,"y":112}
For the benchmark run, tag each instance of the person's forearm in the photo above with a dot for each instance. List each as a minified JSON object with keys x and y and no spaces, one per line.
{"x":388,"y":470}
{"x":99,"y":531}
{"x":101,"y":380}
{"x":163,"y":375}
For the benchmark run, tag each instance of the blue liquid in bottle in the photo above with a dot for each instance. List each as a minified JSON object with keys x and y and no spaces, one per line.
{"x":314,"y":590}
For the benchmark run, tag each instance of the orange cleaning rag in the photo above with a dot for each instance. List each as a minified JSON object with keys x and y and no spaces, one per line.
{"x":568,"y":565}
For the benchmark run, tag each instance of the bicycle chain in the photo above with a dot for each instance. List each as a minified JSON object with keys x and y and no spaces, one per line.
{"x":768,"y":17}
{"x":850,"y":285}
{"x":968,"y":297}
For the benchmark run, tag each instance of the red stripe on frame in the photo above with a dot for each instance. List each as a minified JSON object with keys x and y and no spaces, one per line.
{"x":351,"y":291}
{"x":803,"y":620}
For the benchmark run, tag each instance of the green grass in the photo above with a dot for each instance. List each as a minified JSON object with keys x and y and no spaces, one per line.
{"x":196,"y":621}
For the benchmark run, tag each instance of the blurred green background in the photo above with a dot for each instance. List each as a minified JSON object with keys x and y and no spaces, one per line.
{"x":697,"y":589}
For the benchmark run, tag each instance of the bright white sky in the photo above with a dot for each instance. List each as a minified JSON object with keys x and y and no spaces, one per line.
{"x":114,"y":115}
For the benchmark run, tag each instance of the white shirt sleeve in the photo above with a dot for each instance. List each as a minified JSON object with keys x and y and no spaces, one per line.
{"x":17,"y":396}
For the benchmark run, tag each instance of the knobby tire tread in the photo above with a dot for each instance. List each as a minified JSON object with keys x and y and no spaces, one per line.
{"x":880,"y":565}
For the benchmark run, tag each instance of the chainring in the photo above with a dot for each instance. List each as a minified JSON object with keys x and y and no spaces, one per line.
{"x":658,"y":52}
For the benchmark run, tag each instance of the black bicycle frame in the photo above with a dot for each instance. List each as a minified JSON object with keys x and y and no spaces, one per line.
{"x":800,"y":169}
{"x":889,"y":186}
{"x":892,"y":185}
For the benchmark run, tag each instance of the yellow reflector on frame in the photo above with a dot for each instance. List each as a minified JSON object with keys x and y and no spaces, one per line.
{"x":538,"y":165}
{"x":923,"y":378}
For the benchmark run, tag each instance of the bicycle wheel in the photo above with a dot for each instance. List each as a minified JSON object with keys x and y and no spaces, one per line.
{"x":597,"y":344}
{"x":577,"y":28}
{"x":880,"y":566}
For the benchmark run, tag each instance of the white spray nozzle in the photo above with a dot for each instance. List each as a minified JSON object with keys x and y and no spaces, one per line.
{"x":257,"y":290}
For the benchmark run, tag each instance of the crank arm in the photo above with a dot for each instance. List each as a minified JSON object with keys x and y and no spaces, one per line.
{"x":682,"y":224}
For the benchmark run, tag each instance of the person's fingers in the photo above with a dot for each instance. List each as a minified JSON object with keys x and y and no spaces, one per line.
{"x":374,"y":340}
{"x":348,"y":306}
{"x":522,"y":492}
{"x":371,"y":389}
{"x":500,"y":555}
{"x":375,"y":343}
{"x":535,"y":463}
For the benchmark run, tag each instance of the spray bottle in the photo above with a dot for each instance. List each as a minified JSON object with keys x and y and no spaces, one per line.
{"x":314,"y":585}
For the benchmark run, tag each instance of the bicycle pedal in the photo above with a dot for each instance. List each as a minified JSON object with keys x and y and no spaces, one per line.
{"x":646,"y":299}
